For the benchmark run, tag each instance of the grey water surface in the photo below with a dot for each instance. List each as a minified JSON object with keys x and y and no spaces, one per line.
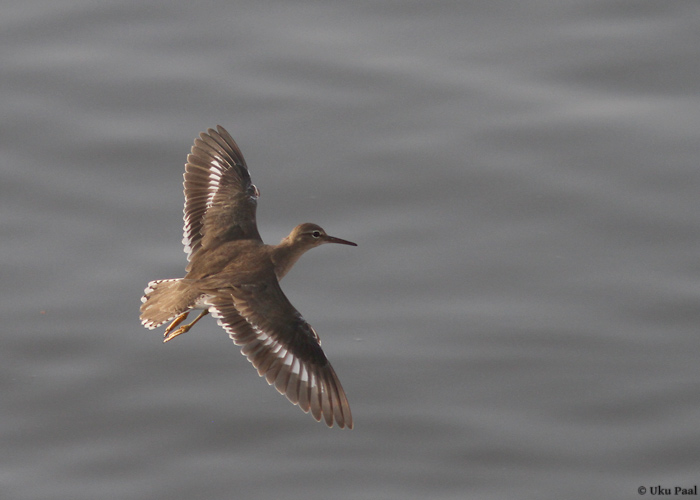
{"x":520,"y":319}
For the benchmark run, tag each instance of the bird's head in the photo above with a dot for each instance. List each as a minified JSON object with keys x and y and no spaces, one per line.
{"x":310,"y":235}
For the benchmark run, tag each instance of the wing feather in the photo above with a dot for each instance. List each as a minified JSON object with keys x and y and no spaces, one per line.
{"x":283,"y":348}
{"x":220,"y":199}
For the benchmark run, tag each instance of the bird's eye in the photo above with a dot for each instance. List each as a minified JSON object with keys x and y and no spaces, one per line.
{"x":316,"y":234}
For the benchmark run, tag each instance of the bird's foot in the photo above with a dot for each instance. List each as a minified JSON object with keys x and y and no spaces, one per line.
{"x":169,"y":334}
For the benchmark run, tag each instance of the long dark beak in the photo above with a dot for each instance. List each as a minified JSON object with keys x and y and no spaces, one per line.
{"x":333,"y":239}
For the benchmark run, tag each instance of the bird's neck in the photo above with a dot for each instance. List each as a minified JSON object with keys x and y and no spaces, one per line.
{"x":285,"y":255}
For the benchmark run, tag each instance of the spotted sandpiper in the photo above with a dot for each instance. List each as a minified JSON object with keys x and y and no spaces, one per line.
{"x":235,"y":276}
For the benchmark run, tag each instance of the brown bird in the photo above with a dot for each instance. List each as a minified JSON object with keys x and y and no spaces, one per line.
{"x":235,"y":276}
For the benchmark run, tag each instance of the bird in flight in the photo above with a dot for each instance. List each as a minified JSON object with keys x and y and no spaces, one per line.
{"x":234,"y":276}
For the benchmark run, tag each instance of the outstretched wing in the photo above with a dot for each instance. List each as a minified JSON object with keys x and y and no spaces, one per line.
{"x":220,"y":199}
{"x":283,"y":347}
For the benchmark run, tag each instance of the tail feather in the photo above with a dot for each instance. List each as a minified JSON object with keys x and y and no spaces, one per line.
{"x":163,"y":301}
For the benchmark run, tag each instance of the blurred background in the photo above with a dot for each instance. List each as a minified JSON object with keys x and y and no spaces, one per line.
{"x":519,"y":320}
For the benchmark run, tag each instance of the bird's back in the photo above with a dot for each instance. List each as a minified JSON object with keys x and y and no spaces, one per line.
{"x":249,"y":259}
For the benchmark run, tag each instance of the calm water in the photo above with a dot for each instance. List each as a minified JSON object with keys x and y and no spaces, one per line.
{"x":520,"y":319}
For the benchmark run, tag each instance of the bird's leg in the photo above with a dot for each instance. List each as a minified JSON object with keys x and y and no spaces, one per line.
{"x":183,"y":329}
{"x":176,"y":322}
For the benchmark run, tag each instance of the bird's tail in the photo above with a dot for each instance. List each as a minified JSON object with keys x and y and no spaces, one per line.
{"x":163,"y":300}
